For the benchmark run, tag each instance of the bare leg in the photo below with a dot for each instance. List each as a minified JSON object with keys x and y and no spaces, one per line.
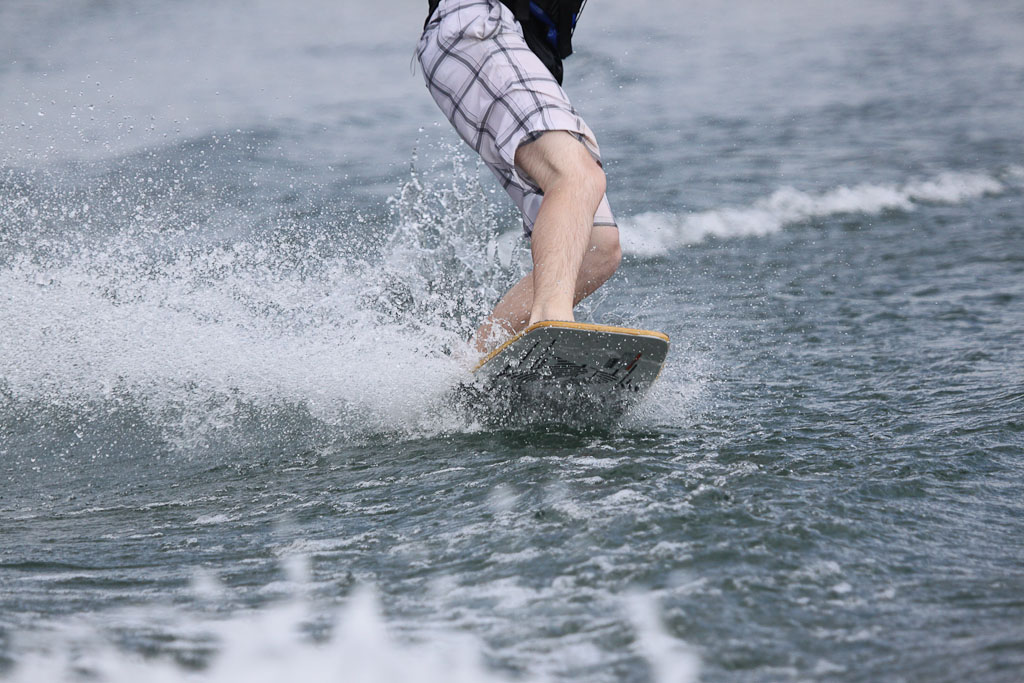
{"x":512,"y":314}
{"x":571,"y":256}
{"x":573,"y":185}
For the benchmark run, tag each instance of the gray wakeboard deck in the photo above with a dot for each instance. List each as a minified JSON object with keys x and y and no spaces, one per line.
{"x":562,"y":372}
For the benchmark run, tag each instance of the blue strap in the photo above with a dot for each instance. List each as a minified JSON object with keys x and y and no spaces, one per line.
{"x":541,"y":15}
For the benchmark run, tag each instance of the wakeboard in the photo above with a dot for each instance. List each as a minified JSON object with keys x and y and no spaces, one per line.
{"x":566,"y":372}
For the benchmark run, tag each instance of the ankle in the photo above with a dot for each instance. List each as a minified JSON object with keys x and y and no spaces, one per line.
{"x":545,"y":313}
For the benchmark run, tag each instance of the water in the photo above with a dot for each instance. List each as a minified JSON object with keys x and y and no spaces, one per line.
{"x":239,"y":259}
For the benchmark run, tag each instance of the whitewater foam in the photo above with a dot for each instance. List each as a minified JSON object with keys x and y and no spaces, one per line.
{"x":287,"y":641}
{"x":656,"y":233}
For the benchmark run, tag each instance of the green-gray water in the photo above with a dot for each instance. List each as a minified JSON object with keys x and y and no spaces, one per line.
{"x":240,"y":255}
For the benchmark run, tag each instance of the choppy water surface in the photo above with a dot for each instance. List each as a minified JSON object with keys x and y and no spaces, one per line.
{"x":240,"y":255}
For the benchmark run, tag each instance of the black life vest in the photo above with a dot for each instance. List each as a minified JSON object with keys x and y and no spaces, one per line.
{"x":548,"y":26}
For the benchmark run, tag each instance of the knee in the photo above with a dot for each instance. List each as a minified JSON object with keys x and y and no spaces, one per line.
{"x":579,"y":173}
{"x":589,"y":177}
{"x":562,"y":162}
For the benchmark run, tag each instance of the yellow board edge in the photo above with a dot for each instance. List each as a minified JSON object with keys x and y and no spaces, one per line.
{"x":564,"y":324}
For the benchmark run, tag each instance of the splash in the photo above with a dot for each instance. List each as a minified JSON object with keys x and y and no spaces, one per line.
{"x":147,"y":311}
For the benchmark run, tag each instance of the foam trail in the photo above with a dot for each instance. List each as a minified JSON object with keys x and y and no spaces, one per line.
{"x":271,"y":645}
{"x":655,"y":234}
{"x":268,"y":647}
{"x":671,"y":660}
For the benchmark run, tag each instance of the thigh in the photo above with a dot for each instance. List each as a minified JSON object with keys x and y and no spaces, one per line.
{"x":496,"y":93}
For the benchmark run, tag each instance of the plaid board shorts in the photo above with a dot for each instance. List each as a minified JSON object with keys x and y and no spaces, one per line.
{"x":498,"y":94}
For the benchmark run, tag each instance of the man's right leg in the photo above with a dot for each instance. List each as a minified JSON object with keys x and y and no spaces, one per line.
{"x":467,"y":75}
{"x":512,"y":314}
{"x":573,"y":185}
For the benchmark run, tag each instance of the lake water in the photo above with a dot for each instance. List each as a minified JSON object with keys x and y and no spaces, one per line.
{"x":240,"y":255}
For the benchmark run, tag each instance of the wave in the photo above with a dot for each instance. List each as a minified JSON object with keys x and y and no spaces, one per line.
{"x":654,"y":234}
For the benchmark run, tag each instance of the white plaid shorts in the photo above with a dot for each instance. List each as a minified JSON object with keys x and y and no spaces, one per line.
{"x":498,"y":94}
